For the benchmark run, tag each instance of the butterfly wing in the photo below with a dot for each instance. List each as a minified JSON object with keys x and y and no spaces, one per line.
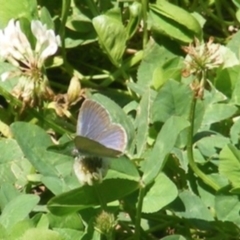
{"x":114,"y":136}
{"x":92,"y":119}
{"x":94,"y":123}
{"x":91,"y":147}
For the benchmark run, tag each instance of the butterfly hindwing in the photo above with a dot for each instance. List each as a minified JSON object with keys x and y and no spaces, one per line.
{"x":91,"y":147}
{"x":113,"y":137}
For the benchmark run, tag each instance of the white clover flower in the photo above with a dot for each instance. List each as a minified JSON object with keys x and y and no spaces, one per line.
{"x":47,"y":42}
{"x":90,"y":170}
{"x":16,"y":49}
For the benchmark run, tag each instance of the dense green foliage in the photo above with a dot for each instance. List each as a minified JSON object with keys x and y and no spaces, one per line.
{"x":168,"y":72}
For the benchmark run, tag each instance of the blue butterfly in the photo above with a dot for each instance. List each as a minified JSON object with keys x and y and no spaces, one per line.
{"x":96,"y":134}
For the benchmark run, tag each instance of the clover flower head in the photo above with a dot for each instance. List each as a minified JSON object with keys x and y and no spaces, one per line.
{"x":202,"y":57}
{"x":105,"y":222}
{"x":90,"y":170}
{"x":16,"y":49}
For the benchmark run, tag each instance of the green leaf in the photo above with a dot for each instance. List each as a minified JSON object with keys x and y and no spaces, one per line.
{"x":71,"y":221}
{"x":182,"y":26}
{"x":43,"y":222}
{"x":13,"y":166}
{"x":64,"y":148}
{"x":88,"y":196}
{"x":55,"y":168}
{"x":74,"y":39}
{"x":18,"y":209}
{"x":39,"y":234}
{"x":209,"y":145}
{"x":185,"y":18}
{"x":69,"y":234}
{"x":33,"y":141}
{"x":112,"y":37}
{"x":173,"y":99}
{"x":162,"y":192}
{"x":170,"y":70}
{"x":229,"y":165}
{"x":18,"y":230}
{"x":30,"y":135}
{"x":141,"y":89}
{"x":3,"y":233}
{"x":226,"y":80}
{"x":79,"y":23}
{"x":235,"y":131}
{"x":174,"y":237}
{"x":218,"y":112}
{"x":237,"y":3}
{"x":142,"y":123}
{"x":213,"y":96}
{"x":57,"y":185}
{"x":123,"y":168}
{"x":194,"y":208}
{"x":227,"y":208}
{"x":135,"y":10}
{"x":233,"y":43}
{"x":151,"y":62}
{"x":12,"y":9}
{"x":235,"y":99}
{"x":25,"y":26}
{"x":7,"y":193}
{"x":164,"y":144}
{"x":45,"y":18}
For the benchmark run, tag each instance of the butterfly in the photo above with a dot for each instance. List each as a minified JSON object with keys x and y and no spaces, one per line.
{"x":97,"y":135}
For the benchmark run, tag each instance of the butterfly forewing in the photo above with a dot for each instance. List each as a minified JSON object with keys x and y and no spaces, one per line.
{"x":92,"y":119}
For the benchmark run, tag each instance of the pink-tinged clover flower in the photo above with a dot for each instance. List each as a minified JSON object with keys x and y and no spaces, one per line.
{"x":202,"y":57}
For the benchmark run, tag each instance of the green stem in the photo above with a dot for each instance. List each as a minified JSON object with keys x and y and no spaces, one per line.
{"x":93,"y":7}
{"x":64,"y":15}
{"x":231,"y":11}
{"x":218,"y":21}
{"x":127,"y":65}
{"x":139,"y":213}
{"x":101,"y":200}
{"x":194,"y":5}
{"x":218,"y":9}
{"x":192,"y":163}
{"x":144,"y":13}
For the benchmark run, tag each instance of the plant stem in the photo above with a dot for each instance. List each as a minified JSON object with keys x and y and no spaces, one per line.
{"x":64,"y":15}
{"x":215,"y":18}
{"x":139,"y":213}
{"x":191,"y":161}
{"x":93,"y":8}
{"x":101,"y":200}
{"x":144,"y":13}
